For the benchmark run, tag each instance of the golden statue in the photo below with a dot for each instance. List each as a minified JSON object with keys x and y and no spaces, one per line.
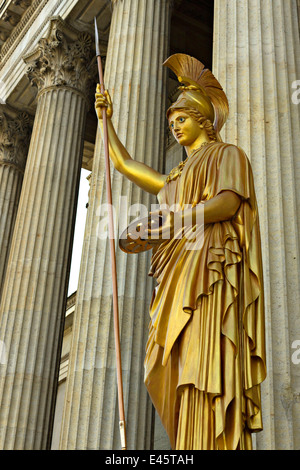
{"x":205,"y":355}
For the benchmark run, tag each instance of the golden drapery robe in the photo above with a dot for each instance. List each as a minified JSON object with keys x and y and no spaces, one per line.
{"x":205,"y":356}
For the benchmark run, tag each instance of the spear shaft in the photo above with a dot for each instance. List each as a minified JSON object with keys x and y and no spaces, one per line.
{"x":112,"y":251}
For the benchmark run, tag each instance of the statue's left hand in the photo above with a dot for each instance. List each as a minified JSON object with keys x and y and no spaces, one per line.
{"x":162,"y":225}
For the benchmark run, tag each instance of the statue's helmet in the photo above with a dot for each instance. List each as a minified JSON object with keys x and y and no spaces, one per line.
{"x":200,"y":90}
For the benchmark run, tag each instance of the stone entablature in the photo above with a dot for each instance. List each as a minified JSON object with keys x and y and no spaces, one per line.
{"x":11,"y":13}
{"x":33,"y":26}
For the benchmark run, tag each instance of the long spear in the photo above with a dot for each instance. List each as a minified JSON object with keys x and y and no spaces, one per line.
{"x":112,"y":251}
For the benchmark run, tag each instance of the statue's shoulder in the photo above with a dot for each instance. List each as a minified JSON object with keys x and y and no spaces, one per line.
{"x":227,"y":154}
{"x":227,"y":146}
{"x":230,"y":149}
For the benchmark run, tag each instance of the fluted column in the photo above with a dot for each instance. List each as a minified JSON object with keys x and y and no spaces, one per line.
{"x":34,"y":294}
{"x":256,"y":58}
{"x":14,"y":142}
{"x":136,"y":80}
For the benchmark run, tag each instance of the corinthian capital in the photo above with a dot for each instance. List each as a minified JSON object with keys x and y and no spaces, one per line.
{"x":64,"y":58}
{"x":15,"y":130}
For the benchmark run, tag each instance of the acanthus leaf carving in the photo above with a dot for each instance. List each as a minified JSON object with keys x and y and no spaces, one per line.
{"x":15,"y":131}
{"x":63,"y":58}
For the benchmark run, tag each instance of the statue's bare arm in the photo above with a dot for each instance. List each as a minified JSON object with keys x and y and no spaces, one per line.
{"x":221,"y":207}
{"x":218,"y":209}
{"x":144,"y":176}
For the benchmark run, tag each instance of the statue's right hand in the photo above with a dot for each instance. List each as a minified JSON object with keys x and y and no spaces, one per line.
{"x":103,"y":101}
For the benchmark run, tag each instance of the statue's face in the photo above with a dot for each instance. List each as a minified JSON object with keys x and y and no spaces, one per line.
{"x":184,"y":128}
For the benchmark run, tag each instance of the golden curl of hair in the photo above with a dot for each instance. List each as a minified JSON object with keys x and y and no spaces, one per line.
{"x":204,"y":121}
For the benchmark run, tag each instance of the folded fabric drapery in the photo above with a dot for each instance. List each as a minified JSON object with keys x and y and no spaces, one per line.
{"x":205,"y":356}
